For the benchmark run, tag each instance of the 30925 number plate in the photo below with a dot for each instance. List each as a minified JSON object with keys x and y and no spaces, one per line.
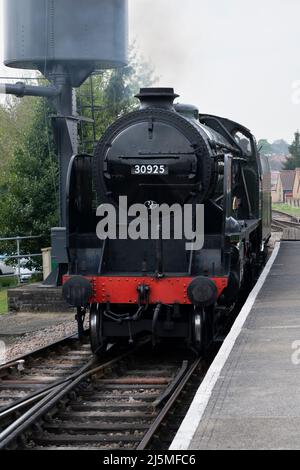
{"x":149,"y":170}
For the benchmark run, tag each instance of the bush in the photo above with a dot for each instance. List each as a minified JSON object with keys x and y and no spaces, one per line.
{"x":10,"y":281}
{"x":37,"y":277}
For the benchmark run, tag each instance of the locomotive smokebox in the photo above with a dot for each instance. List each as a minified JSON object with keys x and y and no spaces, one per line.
{"x":70,"y":35}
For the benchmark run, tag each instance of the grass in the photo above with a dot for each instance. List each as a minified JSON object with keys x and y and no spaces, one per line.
{"x":287,"y":209}
{"x":3,"y":301}
{"x":6,"y":283}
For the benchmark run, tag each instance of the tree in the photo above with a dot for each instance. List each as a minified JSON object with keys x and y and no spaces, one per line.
{"x":265,"y":147}
{"x":114,"y":92}
{"x":8,"y":135}
{"x":293,"y":161}
{"x":29,"y":200}
{"x":280,"y":147}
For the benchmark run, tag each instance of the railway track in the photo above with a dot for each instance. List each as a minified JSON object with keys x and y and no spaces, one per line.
{"x":281,"y":221}
{"x":27,"y":378}
{"x":123,"y":403}
{"x":40,"y":367}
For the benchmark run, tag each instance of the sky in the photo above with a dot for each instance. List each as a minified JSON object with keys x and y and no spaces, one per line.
{"x":233,"y":58}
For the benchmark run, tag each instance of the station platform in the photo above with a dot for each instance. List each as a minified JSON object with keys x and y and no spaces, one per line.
{"x":250,"y":397}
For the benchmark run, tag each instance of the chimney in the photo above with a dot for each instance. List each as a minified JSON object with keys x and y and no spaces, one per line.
{"x":157,"y":98}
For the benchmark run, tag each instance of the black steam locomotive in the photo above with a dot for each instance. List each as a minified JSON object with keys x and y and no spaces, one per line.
{"x":166,"y":154}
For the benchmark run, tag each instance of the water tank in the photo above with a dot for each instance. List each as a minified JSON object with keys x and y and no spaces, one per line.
{"x":77,"y":35}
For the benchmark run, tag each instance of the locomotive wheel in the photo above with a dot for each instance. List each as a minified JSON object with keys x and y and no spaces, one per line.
{"x":202,"y":327}
{"x":98,"y":342}
{"x":198,"y":327}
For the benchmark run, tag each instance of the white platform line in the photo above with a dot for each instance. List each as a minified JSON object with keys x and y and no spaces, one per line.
{"x":191,"y":422}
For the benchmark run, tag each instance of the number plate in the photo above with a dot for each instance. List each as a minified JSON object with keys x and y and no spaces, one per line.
{"x":149,"y":170}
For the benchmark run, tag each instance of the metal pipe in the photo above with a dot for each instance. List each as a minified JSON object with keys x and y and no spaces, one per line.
{"x":159,"y":249}
{"x":29,"y":255}
{"x":154,"y":322}
{"x":20,"y":90}
{"x":20,"y":238}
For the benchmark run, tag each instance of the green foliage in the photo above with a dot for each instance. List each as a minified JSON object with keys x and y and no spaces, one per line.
{"x":113,"y":95}
{"x":3,"y":302}
{"x":295,"y":211}
{"x":280,"y":147}
{"x":9,"y":281}
{"x":265,"y":147}
{"x":29,"y":186}
{"x":36,"y":277}
{"x":8,"y":136}
{"x":293,"y":161}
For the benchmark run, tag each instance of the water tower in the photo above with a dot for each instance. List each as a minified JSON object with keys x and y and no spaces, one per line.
{"x":66,"y":40}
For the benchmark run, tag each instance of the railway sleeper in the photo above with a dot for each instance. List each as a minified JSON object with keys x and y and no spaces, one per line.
{"x":92,"y":426}
{"x":109,"y":416}
{"x":110,"y":406}
{"x":146,"y":396}
{"x":83,"y":438}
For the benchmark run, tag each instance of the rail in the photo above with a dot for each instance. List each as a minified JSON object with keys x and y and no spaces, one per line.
{"x":23,"y":414}
{"x":45,"y":399}
{"x":173,"y":396}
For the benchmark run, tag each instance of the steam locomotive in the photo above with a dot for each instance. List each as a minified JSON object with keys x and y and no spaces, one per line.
{"x":166,"y":154}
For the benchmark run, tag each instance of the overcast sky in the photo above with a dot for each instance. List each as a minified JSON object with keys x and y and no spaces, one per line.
{"x":230,"y":57}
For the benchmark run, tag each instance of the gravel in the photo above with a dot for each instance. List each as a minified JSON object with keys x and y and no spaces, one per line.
{"x":28,"y":342}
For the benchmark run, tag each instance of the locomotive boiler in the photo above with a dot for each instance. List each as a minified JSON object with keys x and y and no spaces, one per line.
{"x":165,"y":155}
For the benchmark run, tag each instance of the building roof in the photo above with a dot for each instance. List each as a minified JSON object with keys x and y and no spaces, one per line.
{"x":287,"y":179}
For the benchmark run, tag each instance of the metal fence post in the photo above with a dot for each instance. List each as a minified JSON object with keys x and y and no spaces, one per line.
{"x":19,"y":260}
